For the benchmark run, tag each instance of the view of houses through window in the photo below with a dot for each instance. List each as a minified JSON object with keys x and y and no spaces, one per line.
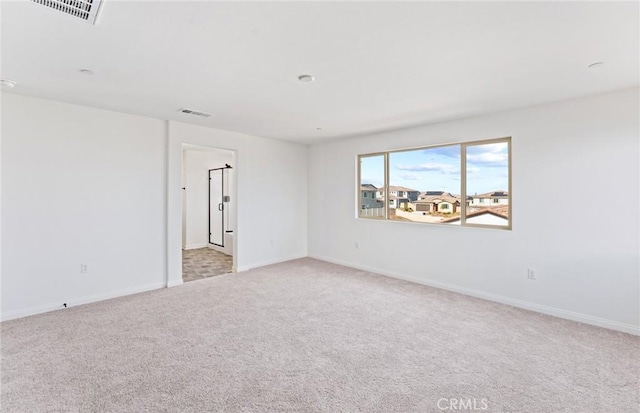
{"x":439,"y":184}
{"x":371,"y":204}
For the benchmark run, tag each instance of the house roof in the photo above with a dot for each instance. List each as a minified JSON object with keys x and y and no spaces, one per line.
{"x":435,"y":193}
{"x":494,"y":194}
{"x":436,"y":199}
{"x":501,"y":211}
{"x":368,"y":188}
{"x":398,"y":188}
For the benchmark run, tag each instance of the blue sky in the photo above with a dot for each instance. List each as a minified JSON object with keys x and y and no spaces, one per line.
{"x":438,"y":169}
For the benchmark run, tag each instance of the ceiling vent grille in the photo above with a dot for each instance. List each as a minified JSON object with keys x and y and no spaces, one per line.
{"x":195,"y":112}
{"x":86,"y":10}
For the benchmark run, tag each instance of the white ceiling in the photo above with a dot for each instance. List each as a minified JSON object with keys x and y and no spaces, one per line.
{"x":378,"y":66}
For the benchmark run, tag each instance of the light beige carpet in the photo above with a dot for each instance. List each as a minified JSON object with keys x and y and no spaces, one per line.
{"x":308,"y":336}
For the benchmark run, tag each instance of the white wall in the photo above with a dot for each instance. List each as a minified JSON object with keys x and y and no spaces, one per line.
{"x":197,"y":164}
{"x":85,"y":185}
{"x":586,"y":256}
{"x":79,"y":185}
{"x":271,"y":181}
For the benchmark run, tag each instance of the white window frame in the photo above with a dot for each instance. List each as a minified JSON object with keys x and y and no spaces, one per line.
{"x":385,"y":194}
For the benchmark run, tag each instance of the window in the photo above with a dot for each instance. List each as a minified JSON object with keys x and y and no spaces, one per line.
{"x":372,"y":177}
{"x":434,"y":172}
{"x":487,"y":165}
{"x":471,"y":183}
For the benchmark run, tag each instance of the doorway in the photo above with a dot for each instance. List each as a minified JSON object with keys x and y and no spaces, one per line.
{"x":208,"y":212}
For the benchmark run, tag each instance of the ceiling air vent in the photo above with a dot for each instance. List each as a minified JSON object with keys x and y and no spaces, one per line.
{"x":86,"y":10}
{"x":195,"y":112}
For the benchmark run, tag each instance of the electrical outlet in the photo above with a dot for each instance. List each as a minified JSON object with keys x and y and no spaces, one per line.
{"x":532,"y":273}
{"x":84,"y":268}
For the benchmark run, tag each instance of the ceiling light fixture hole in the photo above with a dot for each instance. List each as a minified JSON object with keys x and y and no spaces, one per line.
{"x":306,"y":78}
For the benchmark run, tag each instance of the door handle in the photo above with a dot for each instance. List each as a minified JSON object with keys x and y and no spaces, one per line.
{"x":220,"y":206}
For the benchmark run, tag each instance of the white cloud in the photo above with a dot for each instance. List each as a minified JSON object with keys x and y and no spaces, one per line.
{"x":488,"y":157}
{"x":410,"y":177}
{"x":495,"y":154}
{"x":430,"y":167}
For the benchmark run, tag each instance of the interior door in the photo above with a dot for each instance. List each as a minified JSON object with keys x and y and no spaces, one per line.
{"x":216,"y":207}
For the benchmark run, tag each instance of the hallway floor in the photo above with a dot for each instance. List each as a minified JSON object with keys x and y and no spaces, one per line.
{"x":204,"y":263}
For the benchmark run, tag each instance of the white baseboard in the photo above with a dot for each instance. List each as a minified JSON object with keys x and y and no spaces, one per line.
{"x":195,"y":246}
{"x":556,"y":312}
{"x":569,"y":315}
{"x":10,"y":315}
{"x":269,"y":262}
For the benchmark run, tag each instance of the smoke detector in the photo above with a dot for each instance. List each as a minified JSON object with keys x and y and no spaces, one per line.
{"x":86,"y":10}
{"x":195,"y":113}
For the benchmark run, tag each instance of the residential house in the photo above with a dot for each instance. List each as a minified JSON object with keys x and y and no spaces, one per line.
{"x":490,"y":198}
{"x":400,"y":192}
{"x":398,"y":202}
{"x":437,"y":201}
{"x":368,"y":197}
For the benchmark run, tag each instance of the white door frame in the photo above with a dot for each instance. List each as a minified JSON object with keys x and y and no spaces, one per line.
{"x":174,"y":203}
